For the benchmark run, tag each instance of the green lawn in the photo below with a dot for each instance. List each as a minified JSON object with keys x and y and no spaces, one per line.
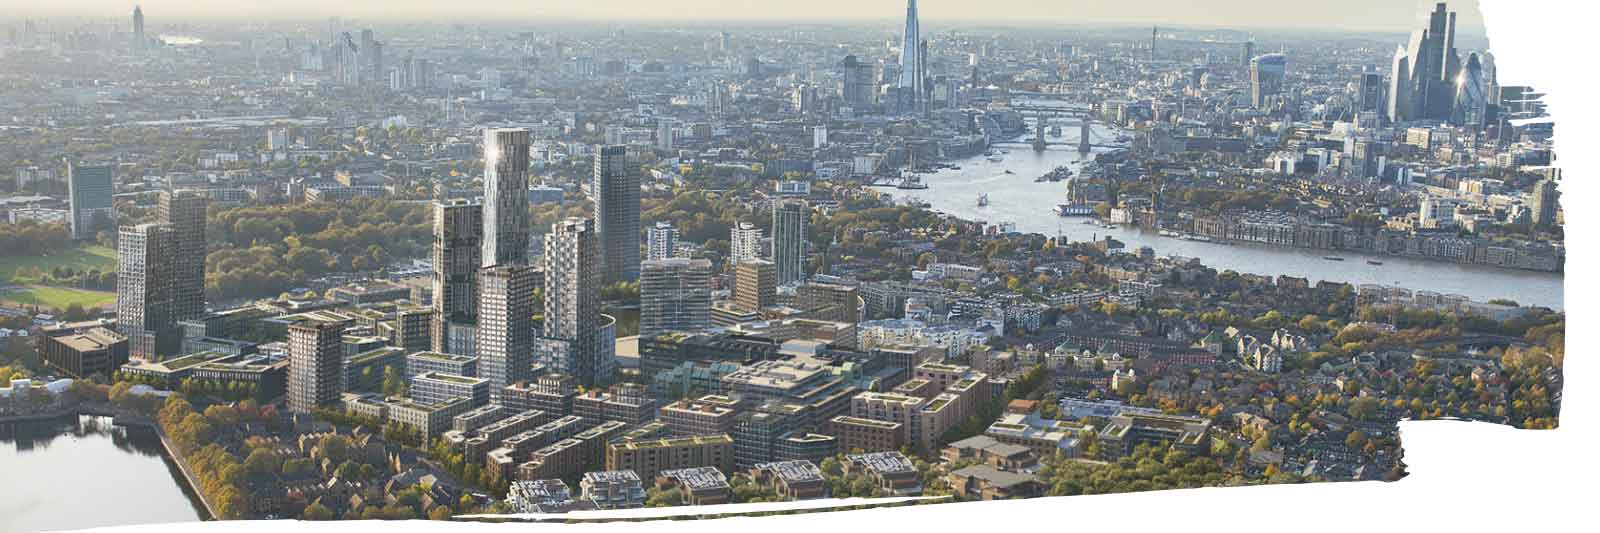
{"x":59,"y":297}
{"x":88,"y":256}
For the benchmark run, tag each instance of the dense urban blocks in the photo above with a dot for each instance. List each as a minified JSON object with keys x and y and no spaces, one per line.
{"x":396,"y":271}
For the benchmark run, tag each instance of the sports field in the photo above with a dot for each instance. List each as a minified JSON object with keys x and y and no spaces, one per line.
{"x":23,"y":270}
{"x":58,"y":298}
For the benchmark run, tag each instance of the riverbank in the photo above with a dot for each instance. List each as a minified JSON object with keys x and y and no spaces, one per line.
{"x":193,"y":487}
{"x":1016,"y":198}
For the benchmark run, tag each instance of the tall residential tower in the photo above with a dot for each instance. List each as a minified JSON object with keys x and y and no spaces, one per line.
{"x":616,"y":207}
{"x":144,"y":290}
{"x":507,"y":224}
{"x":457,"y":254}
{"x":505,"y":324}
{"x":316,"y":364}
{"x":572,"y":295}
{"x":89,"y":199}
{"x":789,"y":219}
{"x":674,"y":295}
{"x":185,"y":213}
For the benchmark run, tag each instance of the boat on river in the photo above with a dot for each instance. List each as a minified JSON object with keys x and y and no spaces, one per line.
{"x":1078,"y":210}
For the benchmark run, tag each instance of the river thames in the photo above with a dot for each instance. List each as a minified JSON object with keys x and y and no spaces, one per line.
{"x":77,"y":472}
{"x":1018,"y":199}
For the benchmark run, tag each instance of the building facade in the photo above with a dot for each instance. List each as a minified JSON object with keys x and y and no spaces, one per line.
{"x":508,"y":225}
{"x":89,"y":199}
{"x":572,"y":297}
{"x":789,"y":220}
{"x":615,"y":190}
{"x":316,"y":359}
{"x":505,"y":324}
{"x":674,"y":295}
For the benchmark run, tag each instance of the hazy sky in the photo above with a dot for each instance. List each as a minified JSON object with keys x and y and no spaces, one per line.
{"x":1385,"y":15}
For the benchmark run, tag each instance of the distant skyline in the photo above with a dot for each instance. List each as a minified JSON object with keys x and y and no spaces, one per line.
{"x":1348,"y":15}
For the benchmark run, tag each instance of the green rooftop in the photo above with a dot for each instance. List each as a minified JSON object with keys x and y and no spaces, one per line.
{"x":446,"y":357}
{"x":452,"y":378}
{"x":195,"y":359}
{"x":369,"y":355}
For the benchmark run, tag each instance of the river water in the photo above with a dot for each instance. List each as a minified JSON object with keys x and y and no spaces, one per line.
{"x":1017,"y":199}
{"x":79,"y":472}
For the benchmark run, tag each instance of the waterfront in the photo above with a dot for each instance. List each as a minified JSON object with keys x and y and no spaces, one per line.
{"x":60,"y":468}
{"x":1016,"y":198}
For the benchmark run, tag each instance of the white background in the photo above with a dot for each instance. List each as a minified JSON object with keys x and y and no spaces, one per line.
{"x":1463,"y":476}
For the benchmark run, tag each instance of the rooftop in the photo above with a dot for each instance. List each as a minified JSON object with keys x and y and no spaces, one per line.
{"x":994,"y":476}
{"x":697,"y":440}
{"x":793,"y":471}
{"x":450,"y":378}
{"x":369,"y":355}
{"x":182,"y":363}
{"x":443,"y":357}
{"x":884,"y":462}
{"x":698,"y":478}
{"x":611,"y":476}
{"x":858,"y":421}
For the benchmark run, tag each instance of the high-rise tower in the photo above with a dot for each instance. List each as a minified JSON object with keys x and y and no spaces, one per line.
{"x":663,"y":241}
{"x":144,"y":290}
{"x":1424,"y":78}
{"x":572,"y":295}
{"x":138,"y":27}
{"x":316,"y":364}
{"x":185,"y":213}
{"x":744,"y":243}
{"x":1471,"y":98}
{"x":1544,"y":203}
{"x":89,"y":199}
{"x":674,"y":295}
{"x":912,"y":69}
{"x":1266,"y":78}
{"x":507,"y":223}
{"x":616,"y":207}
{"x":789,"y":218}
{"x":505,"y":324}
{"x":1155,"y":31}
{"x":457,"y":254}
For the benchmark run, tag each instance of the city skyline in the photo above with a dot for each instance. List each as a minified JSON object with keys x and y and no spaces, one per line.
{"x":1358,"y":16}
{"x":348,"y":269}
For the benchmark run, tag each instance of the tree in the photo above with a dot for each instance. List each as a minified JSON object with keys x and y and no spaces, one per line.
{"x":335,"y":448}
{"x":1261,"y":444}
{"x":664,"y":498}
{"x":262,"y":461}
{"x":1363,"y":408}
{"x":348,"y":470}
{"x":393,"y":383}
{"x":396,"y":511}
{"x":317,"y":511}
{"x":1355,"y":439}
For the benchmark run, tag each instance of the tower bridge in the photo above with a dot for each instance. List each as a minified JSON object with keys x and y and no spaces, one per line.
{"x":1081,"y":119}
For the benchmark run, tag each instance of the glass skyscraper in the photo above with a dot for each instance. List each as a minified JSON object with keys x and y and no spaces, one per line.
{"x":508,"y":225}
